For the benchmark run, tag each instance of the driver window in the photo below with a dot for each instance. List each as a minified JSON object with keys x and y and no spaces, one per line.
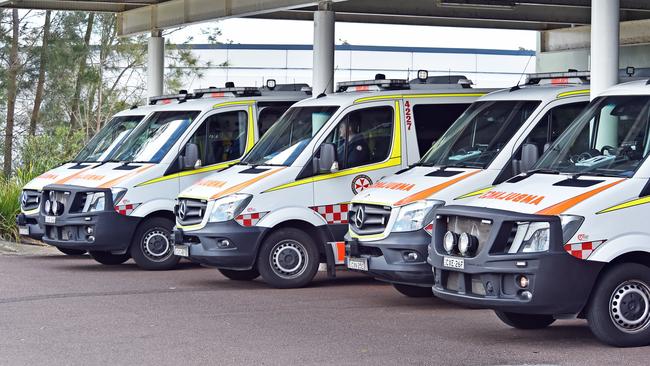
{"x":363,"y":137}
{"x":226,"y":137}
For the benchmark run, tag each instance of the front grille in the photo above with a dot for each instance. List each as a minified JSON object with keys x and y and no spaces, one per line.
{"x":372,"y":219}
{"x":479,"y":228}
{"x":30,"y":199}
{"x":190,"y":211}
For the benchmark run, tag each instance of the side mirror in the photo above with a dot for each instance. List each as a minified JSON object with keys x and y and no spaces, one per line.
{"x":529,"y":156}
{"x":190,"y":159}
{"x":326,"y":163}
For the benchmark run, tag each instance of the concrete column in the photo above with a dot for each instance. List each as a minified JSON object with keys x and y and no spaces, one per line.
{"x":155,"y":64}
{"x":323,"y":68}
{"x":604,"y":44}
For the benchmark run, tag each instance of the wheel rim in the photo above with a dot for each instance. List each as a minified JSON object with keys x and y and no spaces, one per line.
{"x":629,"y":306}
{"x":289,"y":259}
{"x":156,"y":245}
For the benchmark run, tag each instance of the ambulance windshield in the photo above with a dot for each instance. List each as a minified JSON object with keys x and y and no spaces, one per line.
{"x":479,"y":134}
{"x":288,"y":137}
{"x":100,"y":147}
{"x":151,"y":141}
{"x":610,"y":138}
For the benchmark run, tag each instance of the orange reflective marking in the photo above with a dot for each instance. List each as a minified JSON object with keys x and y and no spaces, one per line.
{"x":340,"y":251}
{"x":238,"y":187}
{"x":114,"y":181}
{"x":73,"y":176}
{"x":437,"y":188}
{"x":559,"y":208}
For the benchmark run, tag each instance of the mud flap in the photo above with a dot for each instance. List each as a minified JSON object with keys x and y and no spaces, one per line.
{"x":335,"y":255}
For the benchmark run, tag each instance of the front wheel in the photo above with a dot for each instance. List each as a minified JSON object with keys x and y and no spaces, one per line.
{"x":68,"y":251}
{"x":152,"y":247}
{"x":525,"y":321}
{"x":413,"y":291}
{"x":108,"y":258}
{"x":619,"y":310}
{"x":247,"y":275}
{"x":288,"y":258}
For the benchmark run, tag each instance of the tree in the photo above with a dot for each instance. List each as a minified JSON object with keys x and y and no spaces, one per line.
{"x":81,"y":69}
{"x":38,"y":98}
{"x":12,"y":75}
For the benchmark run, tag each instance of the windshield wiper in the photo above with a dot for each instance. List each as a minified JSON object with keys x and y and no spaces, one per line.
{"x":542,"y":171}
{"x":467,"y":165}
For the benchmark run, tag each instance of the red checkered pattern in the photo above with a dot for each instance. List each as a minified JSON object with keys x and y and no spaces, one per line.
{"x":250,"y":219}
{"x":582,"y":250}
{"x":429,"y":229}
{"x":126,"y":209}
{"x":334,"y":214}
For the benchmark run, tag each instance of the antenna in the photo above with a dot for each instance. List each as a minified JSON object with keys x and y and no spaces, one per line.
{"x":523,"y":72}
{"x":327,"y":85}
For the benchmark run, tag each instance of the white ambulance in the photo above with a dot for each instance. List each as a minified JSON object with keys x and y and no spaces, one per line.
{"x":275,"y":212}
{"x":97,"y":150}
{"x":569,"y":238}
{"x":499,"y":136}
{"x":123,"y":207}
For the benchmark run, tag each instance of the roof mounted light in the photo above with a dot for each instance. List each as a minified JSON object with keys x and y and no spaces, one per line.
{"x":270,"y":84}
{"x":423,"y":75}
{"x":558,"y":78}
{"x":227,"y":92}
{"x":372,"y":85}
{"x":181,"y":97}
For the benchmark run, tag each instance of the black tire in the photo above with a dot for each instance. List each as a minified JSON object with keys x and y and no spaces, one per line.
{"x":247,"y":275}
{"x":288,"y":258}
{"x":108,"y":258}
{"x":525,"y":321}
{"x":619,"y":310}
{"x":413,"y":291}
{"x":68,"y":251}
{"x":152,"y":247}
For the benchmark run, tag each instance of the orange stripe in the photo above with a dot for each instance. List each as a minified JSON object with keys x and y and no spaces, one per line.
{"x":240,"y":186}
{"x":429,"y":191}
{"x":71,"y":177}
{"x":340,"y":251}
{"x":113,"y":182}
{"x":558,"y":208}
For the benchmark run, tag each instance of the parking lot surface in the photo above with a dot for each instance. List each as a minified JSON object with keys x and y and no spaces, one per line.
{"x":69,"y":310}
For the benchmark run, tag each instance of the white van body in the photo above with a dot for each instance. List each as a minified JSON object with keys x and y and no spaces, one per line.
{"x":286,"y":214}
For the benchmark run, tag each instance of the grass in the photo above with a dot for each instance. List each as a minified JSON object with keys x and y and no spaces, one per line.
{"x":10,"y":190}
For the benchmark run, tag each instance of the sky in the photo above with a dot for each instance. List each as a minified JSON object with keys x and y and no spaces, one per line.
{"x":301,"y":32}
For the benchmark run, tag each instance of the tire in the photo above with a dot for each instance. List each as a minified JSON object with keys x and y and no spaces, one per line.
{"x":248,"y":275}
{"x":152,"y":247}
{"x":68,"y":251}
{"x":619,"y":309}
{"x":108,"y":258}
{"x":525,"y":321}
{"x":413,"y":291}
{"x":288,"y":258}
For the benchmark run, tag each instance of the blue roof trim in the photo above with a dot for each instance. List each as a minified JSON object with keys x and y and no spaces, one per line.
{"x":306,"y":47}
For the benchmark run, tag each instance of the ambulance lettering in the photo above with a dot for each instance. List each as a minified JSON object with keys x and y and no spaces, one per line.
{"x":514,"y":197}
{"x":48,"y":176}
{"x":211,"y":183}
{"x":95,"y":177}
{"x":393,"y":186}
{"x":408,"y":115}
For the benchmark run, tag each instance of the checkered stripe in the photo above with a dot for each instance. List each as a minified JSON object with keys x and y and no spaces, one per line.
{"x":582,"y":250}
{"x":248,"y":220}
{"x":126,"y":209}
{"x":334,"y":214}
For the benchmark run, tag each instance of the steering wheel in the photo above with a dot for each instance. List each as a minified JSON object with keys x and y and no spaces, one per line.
{"x":610,"y":150}
{"x":580,"y":157}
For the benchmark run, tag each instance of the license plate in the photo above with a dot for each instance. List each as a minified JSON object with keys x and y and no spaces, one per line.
{"x":456,"y":263}
{"x":23,"y":230}
{"x":359,"y":264}
{"x":50,"y":219}
{"x":182,"y":250}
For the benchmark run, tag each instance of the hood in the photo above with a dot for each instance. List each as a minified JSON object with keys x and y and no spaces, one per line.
{"x":238,"y":178}
{"x":415,"y":184}
{"x":59,"y":175}
{"x":544,"y":194}
{"x":108,"y":175}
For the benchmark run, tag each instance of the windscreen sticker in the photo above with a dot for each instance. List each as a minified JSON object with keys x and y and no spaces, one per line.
{"x":360,"y":182}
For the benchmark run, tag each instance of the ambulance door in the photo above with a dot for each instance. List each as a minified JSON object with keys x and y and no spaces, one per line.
{"x":368,"y":143}
{"x":222,"y":139}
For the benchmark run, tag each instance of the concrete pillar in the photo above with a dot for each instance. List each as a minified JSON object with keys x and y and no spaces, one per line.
{"x":155,"y":64}
{"x":323,"y":68}
{"x":604,"y":44}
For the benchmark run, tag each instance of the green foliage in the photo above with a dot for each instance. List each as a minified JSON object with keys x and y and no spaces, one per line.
{"x":10,"y":190}
{"x":41,"y":153}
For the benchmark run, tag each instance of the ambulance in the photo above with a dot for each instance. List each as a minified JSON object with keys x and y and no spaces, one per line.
{"x":283,"y":210}
{"x":568,"y":238}
{"x":499,"y":136}
{"x":123,"y":207}
{"x":97,"y":150}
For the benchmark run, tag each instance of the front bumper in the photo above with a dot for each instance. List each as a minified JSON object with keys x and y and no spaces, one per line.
{"x":111,"y":231}
{"x":30,"y":223}
{"x":203,"y":244}
{"x":559,"y":284}
{"x":386,"y":257}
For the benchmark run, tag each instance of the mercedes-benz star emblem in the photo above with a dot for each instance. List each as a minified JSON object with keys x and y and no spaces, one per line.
{"x":182,"y":209}
{"x":360,"y":217}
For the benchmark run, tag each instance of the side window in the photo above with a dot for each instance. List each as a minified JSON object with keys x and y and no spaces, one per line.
{"x":200,"y":139}
{"x":554,"y":122}
{"x":268,"y":116}
{"x":432,"y":120}
{"x":226,"y":137}
{"x":363,"y":137}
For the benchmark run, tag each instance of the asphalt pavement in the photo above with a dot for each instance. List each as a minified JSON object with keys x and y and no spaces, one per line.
{"x":58,"y":310}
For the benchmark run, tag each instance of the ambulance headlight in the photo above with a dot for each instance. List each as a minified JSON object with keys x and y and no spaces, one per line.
{"x":530,"y":237}
{"x":415,"y":216}
{"x":229,"y":207}
{"x":95,"y":201}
